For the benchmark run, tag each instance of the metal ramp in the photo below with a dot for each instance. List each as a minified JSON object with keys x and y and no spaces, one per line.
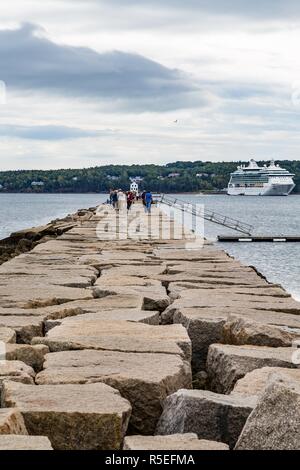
{"x":206,"y":214}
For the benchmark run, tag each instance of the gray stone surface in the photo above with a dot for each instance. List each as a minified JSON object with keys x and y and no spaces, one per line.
{"x":39,"y":295}
{"x":18,"y":442}
{"x":239,"y":330}
{"x":200,"y":380}
{"x":124,"y":336}
{"x":154,"y":295}
{"x":204,"y":328}
{"x":174,"y":442}
{"x":203,"y":298}
{"x":274,"y":424}
{"x":255,"y":382}
{"x":73,"y":417}
{"x":11,"y":422}
{"x":26,"y":327}
{"x":7,"y":335}
{"x":145,"y":380}
{"x":16,"y":371}
{"x":226,"y":363}
{"x":132,"y":315}
{"x":209,"y":415}
{"x":33,"y":356}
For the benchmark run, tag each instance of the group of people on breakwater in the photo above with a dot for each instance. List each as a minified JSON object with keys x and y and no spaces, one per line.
{"x":120,"y":199}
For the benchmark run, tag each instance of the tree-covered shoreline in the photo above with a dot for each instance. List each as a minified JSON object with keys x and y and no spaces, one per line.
{"x":175,"y":177}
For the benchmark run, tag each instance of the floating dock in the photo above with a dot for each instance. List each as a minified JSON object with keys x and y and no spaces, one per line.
{"x":259,"y":238}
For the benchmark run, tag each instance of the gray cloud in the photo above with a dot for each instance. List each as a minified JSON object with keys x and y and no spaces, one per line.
{"x":260,"y":9}
{"x":47,"y":132}
{"x":31,"y":62}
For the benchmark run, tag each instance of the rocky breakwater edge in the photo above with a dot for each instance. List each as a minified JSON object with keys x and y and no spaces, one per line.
{"x":150,"y":342}
{"x":25,"y":240}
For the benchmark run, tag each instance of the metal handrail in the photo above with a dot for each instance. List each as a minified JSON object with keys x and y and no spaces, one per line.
{"x":207,"y":214}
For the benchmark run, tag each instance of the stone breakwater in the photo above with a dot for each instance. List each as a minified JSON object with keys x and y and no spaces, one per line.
{"x":111,"y":342}
{"x":25,"y":240}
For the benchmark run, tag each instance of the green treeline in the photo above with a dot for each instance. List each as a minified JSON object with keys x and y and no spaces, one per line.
{"x":187,"y":177}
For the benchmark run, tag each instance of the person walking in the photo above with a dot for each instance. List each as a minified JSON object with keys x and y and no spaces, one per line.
{"x":148,"y":202}
{"x":143,"y":199}
{"x":130,"y":199}
{"x":114,"y":199}
{"x":110,"y":200}
{"x":121,"y":200}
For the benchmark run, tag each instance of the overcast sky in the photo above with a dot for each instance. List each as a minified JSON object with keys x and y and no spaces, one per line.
{"x":94,"y":82}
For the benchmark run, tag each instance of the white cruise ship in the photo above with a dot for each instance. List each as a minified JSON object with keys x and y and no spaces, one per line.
{"x":253,"y":180}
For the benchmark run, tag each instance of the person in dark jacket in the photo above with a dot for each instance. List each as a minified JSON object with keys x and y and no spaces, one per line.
{"x":114,"y":199}
{"x":130,"y":199}
{"x":111,"y":193}
{"x":143,"y":198}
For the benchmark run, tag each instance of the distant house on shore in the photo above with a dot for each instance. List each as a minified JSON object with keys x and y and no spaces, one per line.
{"x":136,"y":179}
{"x":202,"y":175}
{"x":173,"y":175}
{"x":112,"y":178}
{"x":37,"y":183}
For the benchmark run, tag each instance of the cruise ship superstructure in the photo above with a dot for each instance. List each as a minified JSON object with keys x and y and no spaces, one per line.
{"x":253,"y":180}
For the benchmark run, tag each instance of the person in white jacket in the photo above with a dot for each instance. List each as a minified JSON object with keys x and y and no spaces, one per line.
{"x":122,"y":200}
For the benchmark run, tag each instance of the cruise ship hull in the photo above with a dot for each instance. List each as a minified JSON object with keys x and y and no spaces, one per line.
{"x":267,"y":190}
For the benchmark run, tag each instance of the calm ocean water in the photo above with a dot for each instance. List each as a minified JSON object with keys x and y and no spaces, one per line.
{"x":279,"y":262}
{"x":18,"y":211}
